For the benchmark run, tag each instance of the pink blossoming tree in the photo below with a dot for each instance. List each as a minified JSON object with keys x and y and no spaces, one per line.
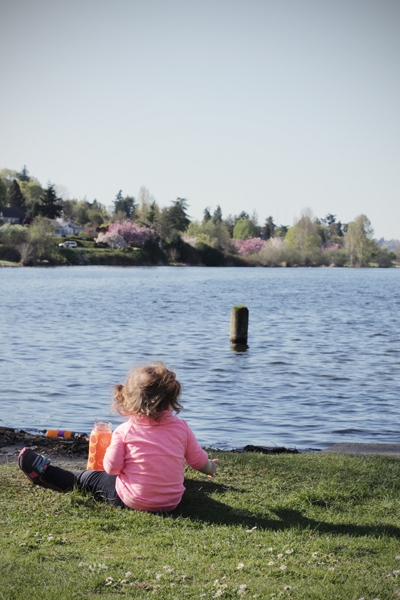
{"x":251,"y":245}
{"x":132,"y":233}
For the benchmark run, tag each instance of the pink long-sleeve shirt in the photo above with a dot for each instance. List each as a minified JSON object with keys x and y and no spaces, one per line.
{"x":149,"y":459}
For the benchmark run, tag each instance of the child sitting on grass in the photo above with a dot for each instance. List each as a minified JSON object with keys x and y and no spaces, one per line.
{"x":144,"y":464}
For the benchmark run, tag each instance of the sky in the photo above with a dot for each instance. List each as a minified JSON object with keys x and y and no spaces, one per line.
{"x":265,"y":105}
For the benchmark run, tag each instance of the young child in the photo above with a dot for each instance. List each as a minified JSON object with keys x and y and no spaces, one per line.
{"x":144,"y":464}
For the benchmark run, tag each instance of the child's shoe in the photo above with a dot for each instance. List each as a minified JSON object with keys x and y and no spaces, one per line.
{"x":34,"y":466}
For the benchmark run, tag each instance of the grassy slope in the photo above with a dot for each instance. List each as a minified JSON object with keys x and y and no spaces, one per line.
{"x":337,"y":515}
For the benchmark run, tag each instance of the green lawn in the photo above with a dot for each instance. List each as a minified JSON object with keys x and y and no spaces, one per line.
{"x":8,"y":263}
{"x":296,"y":526}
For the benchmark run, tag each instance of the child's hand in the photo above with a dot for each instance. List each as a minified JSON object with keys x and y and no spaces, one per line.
{"x":213,"y":466}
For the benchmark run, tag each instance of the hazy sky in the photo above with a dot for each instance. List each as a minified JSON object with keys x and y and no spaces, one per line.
{"x":272,"y":105}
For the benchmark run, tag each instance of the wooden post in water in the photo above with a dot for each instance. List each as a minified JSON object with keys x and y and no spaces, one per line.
{"x":239,"y":324}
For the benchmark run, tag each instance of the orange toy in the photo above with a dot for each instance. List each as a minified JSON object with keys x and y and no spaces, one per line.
{"x":53,"y":433}
{"x":100,"y":439}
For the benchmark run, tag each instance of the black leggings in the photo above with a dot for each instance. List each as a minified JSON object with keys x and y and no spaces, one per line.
{"x":99,"y":483}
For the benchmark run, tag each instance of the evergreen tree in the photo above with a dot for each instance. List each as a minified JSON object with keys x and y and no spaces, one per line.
{"x":49,"y":206}
{"x":126,"y":205}
{"x":329,"y":219}
{"x":206,"y":215}
{"x":118,"y":198}
{"x":15,"y":196}
{"x":23,"y":175}
{"x":269,"y":228}
{"x":177,"y":216}
{"x":281,"y":231}
{"x":3,"y":193}
{"x":152,"y":213}
{"x":217,"y":216}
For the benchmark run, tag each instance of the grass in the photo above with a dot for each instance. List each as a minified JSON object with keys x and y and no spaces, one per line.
{"x":294,"y":526}
{"x":8,"y":263}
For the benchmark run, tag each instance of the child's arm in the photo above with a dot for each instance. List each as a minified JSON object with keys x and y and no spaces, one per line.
{"x":210,"y":467}
{"x":195,"y":456}
{"x":114,"y":459}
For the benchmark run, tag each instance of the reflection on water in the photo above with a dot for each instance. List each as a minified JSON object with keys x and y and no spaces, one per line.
{"x":321,"y":366}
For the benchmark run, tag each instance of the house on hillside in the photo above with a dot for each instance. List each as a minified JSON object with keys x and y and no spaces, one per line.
{"x":12,"y":215}
{"x":63,"y":228}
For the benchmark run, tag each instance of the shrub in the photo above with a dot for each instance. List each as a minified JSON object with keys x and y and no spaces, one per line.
{"x":209,"y":256}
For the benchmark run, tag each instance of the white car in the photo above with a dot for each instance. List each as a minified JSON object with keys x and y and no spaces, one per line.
{"x":68,"y":244}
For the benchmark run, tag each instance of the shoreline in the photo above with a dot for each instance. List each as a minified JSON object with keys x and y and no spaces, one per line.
{"x":73,"y":452}
{"x":254,"y":265}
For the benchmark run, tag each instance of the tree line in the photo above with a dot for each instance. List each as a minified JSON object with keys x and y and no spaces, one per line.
{"x":309,"y":241}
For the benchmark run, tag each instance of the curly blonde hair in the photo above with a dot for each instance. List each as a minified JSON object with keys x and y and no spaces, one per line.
{"x":147,"y":391}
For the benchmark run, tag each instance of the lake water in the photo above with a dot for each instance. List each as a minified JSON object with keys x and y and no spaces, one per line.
{"x":322,"y":364}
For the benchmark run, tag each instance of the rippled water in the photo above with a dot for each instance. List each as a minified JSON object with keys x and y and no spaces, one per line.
{"x":322,"y":364}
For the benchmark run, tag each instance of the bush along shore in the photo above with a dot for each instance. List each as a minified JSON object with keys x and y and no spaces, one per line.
{"x":174,"y":253}
{"x":305,"y":526}
{"x":88,"y":252}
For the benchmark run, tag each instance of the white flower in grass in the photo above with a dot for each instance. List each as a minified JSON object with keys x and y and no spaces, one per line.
{"x":331,"y":568}
{"x":109,"y":581}
{"x":155,"y":590}
{"x":271,"y":562}
{"x":396,"y":572}
{"x":243,"y":586}
{"x":282,"y":567}
{"x":314,"y":554}
{"x":270,"y":549}
{"x":287,"y":588}
{"x":158,"y":576}
{"x":173,"y":584}
{"x":241,"y":592}
{"x":240,"y":565}
{"x":397,"y":557}
{"x":279,"y":555}
{"x":218,"y":593}
{"x":289,"y":551}
{"x":215,"y":582}
{"x":128,"y":574}
{"x":81,"y":564}
{"x":170,"y":570}
{"x":251,"y":530}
